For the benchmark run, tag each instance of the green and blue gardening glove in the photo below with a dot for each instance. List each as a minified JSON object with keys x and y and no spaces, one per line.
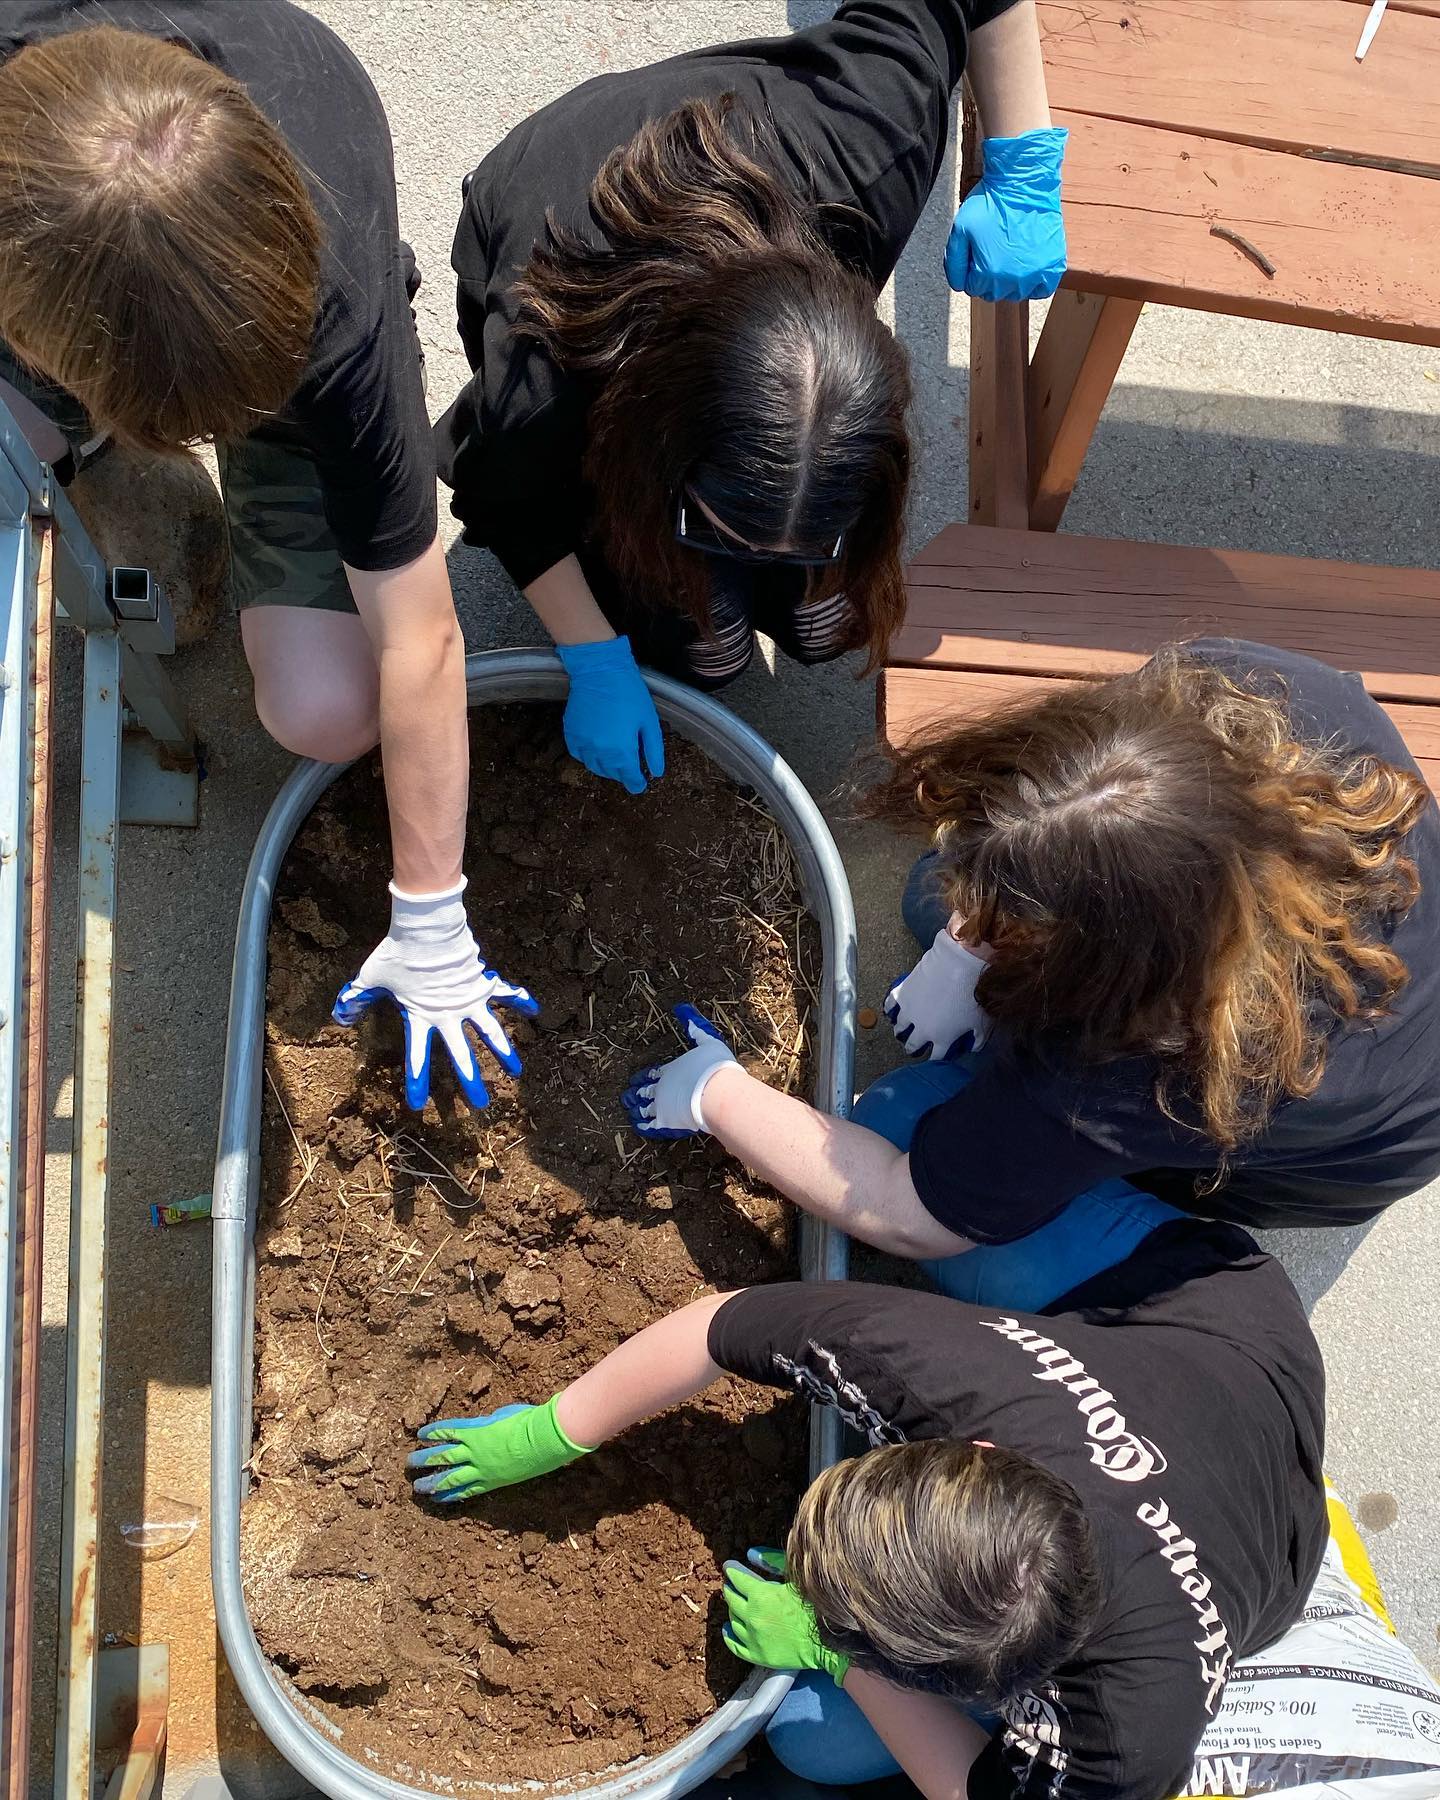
{"x":770,"y":1624}
{"x":464,"y":1458}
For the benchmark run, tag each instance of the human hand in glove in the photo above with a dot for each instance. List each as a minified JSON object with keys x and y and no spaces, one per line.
{"x":1008,"y":239}
{"x":430,"y":965}
{"x":609,"y":717}
{"x":770,"y":1624}
{"x":460,"y":1459}
{"x":933,"y":1007}
{"x":664,"y":1101}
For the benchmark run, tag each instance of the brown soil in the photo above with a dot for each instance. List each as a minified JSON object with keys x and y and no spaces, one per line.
{"x":414,"y":1268}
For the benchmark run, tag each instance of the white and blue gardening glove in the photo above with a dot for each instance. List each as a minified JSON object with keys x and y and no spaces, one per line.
{"x":1008,"y":239}
{"x":664,"y":1101}
{"x":933,"y":1010}
{"x":430,"y":965}
{"x":609,"y":717}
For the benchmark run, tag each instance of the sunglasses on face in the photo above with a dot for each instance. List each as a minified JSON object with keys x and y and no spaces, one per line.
{"x":696,"y":532}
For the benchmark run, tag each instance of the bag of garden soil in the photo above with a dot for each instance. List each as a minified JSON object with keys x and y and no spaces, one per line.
{"x":1339,"y":1709}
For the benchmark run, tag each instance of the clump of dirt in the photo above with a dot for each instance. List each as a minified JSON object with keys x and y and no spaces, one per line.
{"x":414,"y":1268}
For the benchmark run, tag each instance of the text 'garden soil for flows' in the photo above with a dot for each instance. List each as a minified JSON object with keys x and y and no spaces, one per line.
{"x":416,"y":1267}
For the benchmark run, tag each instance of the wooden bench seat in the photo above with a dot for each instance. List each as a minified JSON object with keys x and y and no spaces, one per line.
{"x":994,"y":614}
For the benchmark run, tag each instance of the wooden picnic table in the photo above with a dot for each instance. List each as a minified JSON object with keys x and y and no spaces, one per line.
{"x":1250,"y":116}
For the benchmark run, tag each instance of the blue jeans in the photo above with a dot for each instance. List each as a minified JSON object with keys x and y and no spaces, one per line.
{"x":1098,"y":1229}
{"x":820,"y":1734}
{"x":922,"y":906}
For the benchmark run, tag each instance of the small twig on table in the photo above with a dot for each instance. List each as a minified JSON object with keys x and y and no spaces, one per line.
{"x":1243,"y":244}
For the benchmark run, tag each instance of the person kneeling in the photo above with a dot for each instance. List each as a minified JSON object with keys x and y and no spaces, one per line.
{"x":1064,"y":1530}
{"x":1180,"y":934}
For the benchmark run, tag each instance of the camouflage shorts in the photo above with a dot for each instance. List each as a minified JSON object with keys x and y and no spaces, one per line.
{"x":281,"y":550}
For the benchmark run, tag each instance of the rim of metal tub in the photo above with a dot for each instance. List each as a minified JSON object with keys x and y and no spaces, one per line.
{"x":302,"y":1734}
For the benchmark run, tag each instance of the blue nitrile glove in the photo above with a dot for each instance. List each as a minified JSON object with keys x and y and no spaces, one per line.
{"x":430,"y":965}
{"x":770,"y":1624}
{"x":470,"y":1457}
{"x":1008,"y":239}
{"x":610,"y":717}
{"x":664,"y":1101}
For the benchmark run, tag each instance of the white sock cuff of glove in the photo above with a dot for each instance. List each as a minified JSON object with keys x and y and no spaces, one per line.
{"x":450,"y":893}
{"x":698,"y":1092}
{"x":949,"y":945}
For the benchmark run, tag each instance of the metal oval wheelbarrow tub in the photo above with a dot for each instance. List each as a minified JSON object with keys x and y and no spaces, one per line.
{"x":303,"y":1735}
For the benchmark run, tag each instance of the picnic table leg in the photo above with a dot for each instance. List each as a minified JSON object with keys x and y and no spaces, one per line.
{"x":1081,"y":347}
{"x":999,"y":457}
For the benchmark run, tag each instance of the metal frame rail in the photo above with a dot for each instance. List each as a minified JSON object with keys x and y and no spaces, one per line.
{"x":49,"y":569}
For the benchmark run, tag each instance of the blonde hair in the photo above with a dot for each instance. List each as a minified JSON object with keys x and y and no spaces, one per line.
{"x":945,"y":1566}
{"x":159,"y":252}
{"x":1162,"y":869}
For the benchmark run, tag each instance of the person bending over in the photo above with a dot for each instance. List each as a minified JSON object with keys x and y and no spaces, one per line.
{"x":1065,"y":1530}
{"x":199,"y":240}
{"x":1192,"y":916}
{"x":686,"y":421}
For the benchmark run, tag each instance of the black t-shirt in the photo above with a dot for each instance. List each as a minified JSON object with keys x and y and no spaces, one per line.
{"x":1022,"y":1140}
{"x":1181,"y":1394}
{"x":860,"y":107}
{"x":360,"y":407}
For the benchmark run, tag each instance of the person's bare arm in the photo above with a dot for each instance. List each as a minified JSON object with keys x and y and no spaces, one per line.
{"x":409,"y":614}
{"x":565,"y":606}
{"x":840,"y":1172}
{"x":1007,"y":73}
{"x":660,"y":1366}
{"x":932,"y":1740}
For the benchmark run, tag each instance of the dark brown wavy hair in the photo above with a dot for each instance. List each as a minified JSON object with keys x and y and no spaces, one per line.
{"x":734,"y":358}
{"x":1161,"y":869}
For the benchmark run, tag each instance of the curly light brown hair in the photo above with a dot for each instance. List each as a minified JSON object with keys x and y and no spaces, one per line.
{"x":1161,"y":869}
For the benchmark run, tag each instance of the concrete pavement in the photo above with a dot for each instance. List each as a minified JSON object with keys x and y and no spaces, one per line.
{"x":1220,"y":432}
